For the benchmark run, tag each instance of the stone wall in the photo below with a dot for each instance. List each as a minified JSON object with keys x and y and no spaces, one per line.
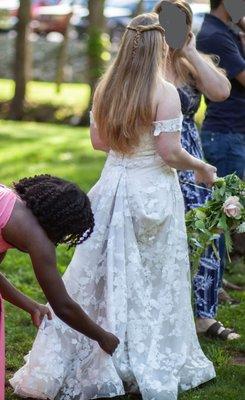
{"x":45,"y":53}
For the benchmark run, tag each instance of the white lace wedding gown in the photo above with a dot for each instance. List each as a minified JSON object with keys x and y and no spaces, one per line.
{"x":132,"y":277}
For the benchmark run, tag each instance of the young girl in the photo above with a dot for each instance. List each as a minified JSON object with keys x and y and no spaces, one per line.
{"x":35,"y":216}
{"x":195,"y":74}
{"x":135,"y":267}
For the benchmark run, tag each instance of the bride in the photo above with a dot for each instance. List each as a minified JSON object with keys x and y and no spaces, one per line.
{"x":132,"y":275}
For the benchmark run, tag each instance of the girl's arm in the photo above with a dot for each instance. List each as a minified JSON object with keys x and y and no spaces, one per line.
{"x":210,"y":80}
{"x":42,"y":253}
{"x":24,"y":232}
{"x":18,"y":299}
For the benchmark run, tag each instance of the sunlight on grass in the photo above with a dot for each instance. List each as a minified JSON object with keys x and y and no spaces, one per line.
{"x":29,"y":148}
{"x":71,"y":94}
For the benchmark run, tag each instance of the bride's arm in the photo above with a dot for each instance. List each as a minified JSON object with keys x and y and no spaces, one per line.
{"x":96,"y":141}
{"x":168,"y":144}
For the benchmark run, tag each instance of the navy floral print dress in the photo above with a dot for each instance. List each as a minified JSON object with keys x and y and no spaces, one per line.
{"x":206,"y":281}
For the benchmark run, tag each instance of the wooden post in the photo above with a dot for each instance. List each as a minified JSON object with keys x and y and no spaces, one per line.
{"x":95,"y":47}
{"x":62,"y":56}
{"x":21,"y":60}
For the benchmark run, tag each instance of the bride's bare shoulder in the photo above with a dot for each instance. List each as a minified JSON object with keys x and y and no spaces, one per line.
{"x":165,"y":90}
{"x":167,"y":99}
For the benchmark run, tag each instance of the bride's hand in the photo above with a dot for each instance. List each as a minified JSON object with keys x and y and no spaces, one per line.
{"x":108,"y":342}
{"x":206,"y":174}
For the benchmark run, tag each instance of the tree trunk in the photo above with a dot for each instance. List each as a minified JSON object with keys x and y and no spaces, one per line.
{"x":21,"y":60}
{"x":62,"y":56}
{"x":95,"y":48}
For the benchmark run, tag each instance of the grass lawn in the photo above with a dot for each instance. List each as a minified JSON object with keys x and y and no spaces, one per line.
{"x":42,"y":98}
{"x":71,"y":100}
{"x":29,"y":148}
{"x":71,"y":94}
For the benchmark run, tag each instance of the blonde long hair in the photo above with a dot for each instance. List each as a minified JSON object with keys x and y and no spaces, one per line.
{"x":123,"y":100}
{"x":184,"y":70}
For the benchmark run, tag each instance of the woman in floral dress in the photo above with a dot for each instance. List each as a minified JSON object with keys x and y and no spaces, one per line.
{"x":195,"y":74}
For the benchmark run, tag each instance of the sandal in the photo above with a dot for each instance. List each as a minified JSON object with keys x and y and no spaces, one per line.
{"x":216,"y":331}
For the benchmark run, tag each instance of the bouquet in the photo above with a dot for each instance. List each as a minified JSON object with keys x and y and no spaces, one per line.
{"x":223,"y":213}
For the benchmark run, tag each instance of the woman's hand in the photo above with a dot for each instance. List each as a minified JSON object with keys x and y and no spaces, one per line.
{"x":38,"y":313}
{"x":206,"y":174}
{"x":190,"y":45}
{"x":242,"y":37}
{"x":109,"y":342}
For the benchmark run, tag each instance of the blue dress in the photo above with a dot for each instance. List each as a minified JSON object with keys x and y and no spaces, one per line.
{"x":206,"y":281}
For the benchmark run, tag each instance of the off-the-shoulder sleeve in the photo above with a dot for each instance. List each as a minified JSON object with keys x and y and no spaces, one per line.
{"x":168,"y":126}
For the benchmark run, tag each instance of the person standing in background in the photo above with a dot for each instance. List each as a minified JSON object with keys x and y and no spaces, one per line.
{"x":223,"y":130}
{"x":194,"y":74}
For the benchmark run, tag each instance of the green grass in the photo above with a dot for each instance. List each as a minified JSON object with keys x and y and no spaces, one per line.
{"x":29,"y":148}
{"x":43,"y":101}
{"x":71,"y":94}
{"x":72,"y":99}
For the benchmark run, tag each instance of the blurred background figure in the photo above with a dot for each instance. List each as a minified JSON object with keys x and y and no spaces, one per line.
{"x":223,"y":130}
{"x":195,"y":74}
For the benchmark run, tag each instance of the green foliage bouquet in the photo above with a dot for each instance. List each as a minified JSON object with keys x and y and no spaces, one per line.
{"x":223,"y":213}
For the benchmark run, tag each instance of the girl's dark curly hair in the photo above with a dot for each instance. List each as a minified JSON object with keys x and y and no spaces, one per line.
{"x":62,"y":209}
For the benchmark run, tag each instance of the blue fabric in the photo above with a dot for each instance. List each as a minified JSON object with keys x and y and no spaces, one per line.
{"x":226,"y":152}
{"x":206,"y":281}
{"x":216,"y":38}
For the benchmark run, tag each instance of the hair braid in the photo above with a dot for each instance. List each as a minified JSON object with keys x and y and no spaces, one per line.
{"x":139,"y":29}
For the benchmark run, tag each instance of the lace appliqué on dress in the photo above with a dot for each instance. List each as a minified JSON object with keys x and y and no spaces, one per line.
{"x":168,"y":126}
{"x":132,"y":278}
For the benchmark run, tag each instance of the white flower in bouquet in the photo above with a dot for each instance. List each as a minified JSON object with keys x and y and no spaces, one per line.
{"x":232,"y":207}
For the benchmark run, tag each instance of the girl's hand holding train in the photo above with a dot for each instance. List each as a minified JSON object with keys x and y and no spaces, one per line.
{"x":38,"y":312}
{"x":108,"y":342}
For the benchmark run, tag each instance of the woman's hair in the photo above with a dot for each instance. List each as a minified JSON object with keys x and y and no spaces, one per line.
{"x":185,"y":71}
{"x":123,"y":102}
{"x":62,"y":209}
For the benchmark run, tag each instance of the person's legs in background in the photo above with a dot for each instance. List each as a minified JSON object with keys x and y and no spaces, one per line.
{"x":215,"y":148}
{"x":206,"y":286}
{"x":206,"y":280}
{"x":226,"y":151}
{"x":236,"y":154}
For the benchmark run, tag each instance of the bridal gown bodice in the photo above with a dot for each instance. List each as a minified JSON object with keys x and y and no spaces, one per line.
{"x":132,"y":278}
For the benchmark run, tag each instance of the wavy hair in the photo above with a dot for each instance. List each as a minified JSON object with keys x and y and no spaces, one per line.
{"x":123,"y":100}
